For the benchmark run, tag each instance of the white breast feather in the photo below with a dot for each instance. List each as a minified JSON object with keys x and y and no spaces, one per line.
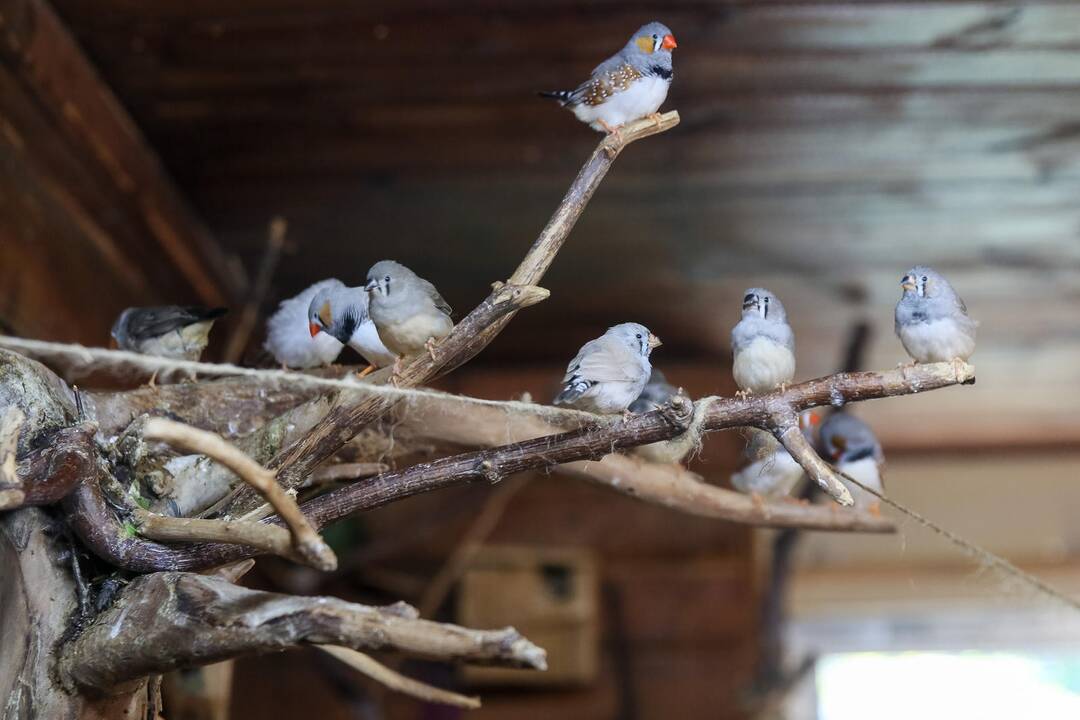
{"x":365,"y":340}
{"x":937,"y":341}
{"x":867,"y":472}
{"x":643,"y":97}
{"x":773,"y":475}
{"x":763,"y":365}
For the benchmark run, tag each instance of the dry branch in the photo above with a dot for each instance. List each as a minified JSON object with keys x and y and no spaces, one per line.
{"x":265,"y":538}
{"x":94,"y":521}
{"x":396,"y":681}
{"x":164,"y":621}
{"x":477,"y":329}
{"x":49,"y":473}
{"x":306,"y":540}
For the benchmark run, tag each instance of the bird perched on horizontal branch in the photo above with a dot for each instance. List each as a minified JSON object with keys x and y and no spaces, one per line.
{"x":407,"y":310}
{"x":288,"y":333}
{"x":932,"y":321}
{"x":178,"y":332}
{"x":852,"y":446}
{"x":342,"y":312}
{"x":629,"y":85}
{"x":609,"y":373}
{"x":763,"y":344}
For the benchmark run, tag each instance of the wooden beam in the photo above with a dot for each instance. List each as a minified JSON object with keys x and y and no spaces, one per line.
{"x":54,"y":74}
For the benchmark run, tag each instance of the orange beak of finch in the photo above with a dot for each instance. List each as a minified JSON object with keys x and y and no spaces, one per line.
{"x":315,"y":329}
{"x":669,"y":42}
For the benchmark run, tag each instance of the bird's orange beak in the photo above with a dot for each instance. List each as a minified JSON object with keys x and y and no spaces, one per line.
{"x":669,"y":42}
{"x":654,"y":342}
{"x":315,"y":329}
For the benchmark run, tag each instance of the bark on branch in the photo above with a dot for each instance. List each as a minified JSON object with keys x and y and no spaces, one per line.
{"x":165,"y":621}
{"x":49,"y":473}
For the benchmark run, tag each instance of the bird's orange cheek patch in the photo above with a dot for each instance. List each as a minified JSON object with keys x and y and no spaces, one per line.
{"x":646,"y":44}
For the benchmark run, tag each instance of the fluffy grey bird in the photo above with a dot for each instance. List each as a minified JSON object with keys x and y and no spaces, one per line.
{"x":342,"y":312}
{"x":609,"y":372}
{"x":771,"y":471}
{"x":851,"y":445}
{"x":288,"y":334}
{"x":931,"y":320}
{"x":179,"y":332}
{"x":763,"y":344}
{"x":407,"y":310}
{"x":629,"y":85}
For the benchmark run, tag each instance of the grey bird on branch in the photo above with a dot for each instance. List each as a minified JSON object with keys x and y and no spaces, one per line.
{"x":288,"y":334}
{"x":407,"y":310}
{"x":629,"y":85}
{"x":932,"y":321}
{"x":342,"y":312}
{"x":763,"y":344}
{"x":609,"y":373}
{"x":850,"y":444}
{"x":178,"y":332}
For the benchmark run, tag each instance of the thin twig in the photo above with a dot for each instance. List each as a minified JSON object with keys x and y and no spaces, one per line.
{"x":345,"y":472}
{"x":306,"y":540}
{"x":263,"y":537}
{"x":396,"y":681}
{"x":275,"y":241}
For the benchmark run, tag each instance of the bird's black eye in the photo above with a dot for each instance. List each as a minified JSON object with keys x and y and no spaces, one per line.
{"x":638,"y":336}
{"x":387,"y":278}
{"x":655,"y":37}
{"x":924,"y":278}
{"x":766,"y":299}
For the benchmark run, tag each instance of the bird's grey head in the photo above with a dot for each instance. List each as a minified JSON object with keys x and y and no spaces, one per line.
{"x":923,"y":281}
{"x":324,"y":316}
{"x":385,"y":277}
{"x":652,"y":44}
{"x":759,"y":302}
{"x":636,"y":336}
{"x":119,"y":329}
{"x":846,"y":438}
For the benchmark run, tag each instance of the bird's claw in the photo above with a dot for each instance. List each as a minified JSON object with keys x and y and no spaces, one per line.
{"x":657,"y":118}
{"x":744,"y":393}
{"x":152,"y":384}
{"x":366,"y":371}
{"x":430,"y":345}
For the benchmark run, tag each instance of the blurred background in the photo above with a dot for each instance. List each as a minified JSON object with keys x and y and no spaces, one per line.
{"x":824,"y":148}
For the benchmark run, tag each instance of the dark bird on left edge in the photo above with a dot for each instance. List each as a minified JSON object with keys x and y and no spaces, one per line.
{"x":178,"y":332}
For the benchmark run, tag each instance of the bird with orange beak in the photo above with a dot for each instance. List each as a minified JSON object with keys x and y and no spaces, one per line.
{"x":629,"y":85}
{"x":609,"y":373}
{"x":290,"y":337}
{"x":932,"y":321}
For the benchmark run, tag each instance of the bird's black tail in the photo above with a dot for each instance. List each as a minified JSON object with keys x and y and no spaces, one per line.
{"x":560,"y":96}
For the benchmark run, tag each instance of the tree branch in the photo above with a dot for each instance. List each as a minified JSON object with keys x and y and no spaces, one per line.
{"x":49,"y":473}
{"x":396,"y":681}
{"x":164,"y":621}
{"x":265,"y":538}
{"x":306,"y":540}
{"x":478,"y":329}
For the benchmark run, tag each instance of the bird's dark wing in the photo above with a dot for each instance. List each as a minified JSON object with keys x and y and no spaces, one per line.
{"x":152,"y":322}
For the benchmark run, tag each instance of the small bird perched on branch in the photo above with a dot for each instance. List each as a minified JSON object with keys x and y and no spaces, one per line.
{"x":763,"y":344}
{"x":342,"y":312}
{"x":629,"y":85}
{"x":931,"y":320}
{"x":288,"y":335}
{"x":772,"y":471}
{"x":609,"y":373}
{"x":852,"y":446}
{"x":407,"y":310}
{"x":178,"y":332}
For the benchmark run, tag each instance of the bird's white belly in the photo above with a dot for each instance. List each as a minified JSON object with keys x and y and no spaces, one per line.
{"x":867,"y":472}
{"x":643,"y":97}
{"x":937,"y":341}
{"x":763,"y":365}
{"x":409,"y":336}
{"x":773,"y":475}
{"x":365,"y":340}
{"x":608,"y":397}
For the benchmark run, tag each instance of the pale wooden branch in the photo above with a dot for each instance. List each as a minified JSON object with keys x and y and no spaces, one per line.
{"x":306,"y":540}
{"x":272,"y":539}
{"x":164,"y":621}
{"x":396,"y":681}
{"x":245,"y":324}
{"x":790,"y":435}
{"x":477,"y":329}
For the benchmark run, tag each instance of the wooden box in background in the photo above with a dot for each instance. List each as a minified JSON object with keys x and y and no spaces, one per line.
{"x":550,"y":595}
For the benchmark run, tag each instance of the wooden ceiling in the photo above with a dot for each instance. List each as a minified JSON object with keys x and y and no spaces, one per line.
{"x":825,"y":147}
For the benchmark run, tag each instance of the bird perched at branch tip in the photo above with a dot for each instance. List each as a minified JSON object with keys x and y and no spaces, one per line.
{"x":342,"y":312}
{"x":631,"y":84}
{"x":288,"y":334}
{"x":763,"y":344}
{"x":850,"y":444}
{"x":609,"y":372}
{"x":771,"y":471}
{"x":178,"y":332}
{"x":409,"y":313}
{"x":932,"y":321}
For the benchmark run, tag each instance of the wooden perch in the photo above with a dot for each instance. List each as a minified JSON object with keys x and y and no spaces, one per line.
{"x":265,"y":538}
{"x":306,"y":540}
{"x":396,"y":681}
{"x":480,"y":326}
{"x":164,"y":621}
{"x":49,"y":473}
